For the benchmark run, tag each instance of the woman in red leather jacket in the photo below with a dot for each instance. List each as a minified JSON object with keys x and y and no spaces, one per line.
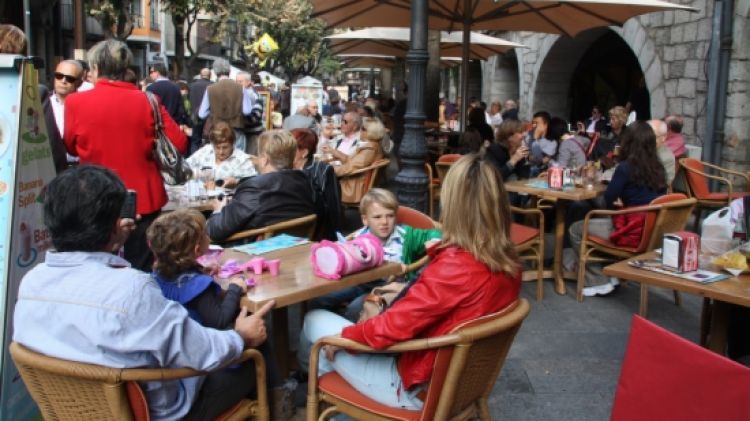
{"x":473,"y":272}
{"x":112,"y":125}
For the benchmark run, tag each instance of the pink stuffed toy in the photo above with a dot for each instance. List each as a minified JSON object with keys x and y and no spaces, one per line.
{"x":333,"y":260}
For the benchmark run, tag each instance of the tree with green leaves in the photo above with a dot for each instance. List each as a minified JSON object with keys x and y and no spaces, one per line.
{"x":113,"y":15}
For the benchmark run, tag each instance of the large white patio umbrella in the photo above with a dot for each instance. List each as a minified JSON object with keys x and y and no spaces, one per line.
{"x":568,"y":17}
{"x":395,"y":42}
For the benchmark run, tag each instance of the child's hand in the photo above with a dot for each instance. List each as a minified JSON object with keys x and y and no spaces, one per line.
{"x":240,"y":282}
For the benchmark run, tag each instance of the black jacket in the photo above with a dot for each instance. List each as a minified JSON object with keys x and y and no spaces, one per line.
{"x":59,"y":156}
{"x":263,"y":200}
{"x":499,"y":156}
{"x":195,"y":93}
{"x":171,"y":99}
{"x":327,"y":197}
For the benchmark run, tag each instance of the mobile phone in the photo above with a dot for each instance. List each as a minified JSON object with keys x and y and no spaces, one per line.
{"x":128,"y":207}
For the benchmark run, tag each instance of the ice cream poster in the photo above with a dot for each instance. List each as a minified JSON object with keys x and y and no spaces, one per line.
{"x":26,"y":167}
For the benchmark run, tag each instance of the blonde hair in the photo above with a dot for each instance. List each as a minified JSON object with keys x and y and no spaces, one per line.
{"x":375,"y":130}
{"x":221,"y":133}
{"x":172,"y":238}
{"x":280,"y":147}
{"x":475,"y":214}
{"x":619,"y":113}
{"x":12,"y":40}
{"x":380,"y":196}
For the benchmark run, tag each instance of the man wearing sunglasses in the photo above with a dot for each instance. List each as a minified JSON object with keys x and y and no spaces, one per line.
{"x":67,"y":80}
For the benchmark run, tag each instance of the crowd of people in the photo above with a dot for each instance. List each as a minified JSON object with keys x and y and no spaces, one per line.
{"x":156,"y":306}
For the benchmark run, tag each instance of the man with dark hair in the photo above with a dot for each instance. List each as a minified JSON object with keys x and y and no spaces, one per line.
{"x":541,"y":149}
{"x":169,"y":94}
{"x":88,"y":305}
{"x":674,"y":140}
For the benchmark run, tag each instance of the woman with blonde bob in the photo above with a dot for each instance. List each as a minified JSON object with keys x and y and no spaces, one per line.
{"x":474,"y":271}
{"x":368,"y":151}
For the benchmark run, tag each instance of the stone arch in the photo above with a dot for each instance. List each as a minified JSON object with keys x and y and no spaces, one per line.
{"x":635,"y":35}
{"x":501,"y":79}
{"x":559,"y":56}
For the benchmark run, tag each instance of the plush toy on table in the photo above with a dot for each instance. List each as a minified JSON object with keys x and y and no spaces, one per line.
{"x":332,"y":260}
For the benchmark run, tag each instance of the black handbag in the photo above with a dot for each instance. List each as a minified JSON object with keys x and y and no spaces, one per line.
{"x":172,"y":165}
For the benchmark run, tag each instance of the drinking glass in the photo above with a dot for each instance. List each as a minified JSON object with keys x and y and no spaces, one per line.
{"x":206,"y":177}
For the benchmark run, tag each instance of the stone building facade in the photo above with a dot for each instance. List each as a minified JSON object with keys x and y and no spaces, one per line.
{"x":673,"y":50}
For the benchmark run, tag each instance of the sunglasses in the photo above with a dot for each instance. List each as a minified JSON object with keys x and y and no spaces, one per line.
{"x":68,"y":78}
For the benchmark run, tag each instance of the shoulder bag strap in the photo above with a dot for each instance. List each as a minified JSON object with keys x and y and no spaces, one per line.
{"x":155,"y":109}
{"x":578,"y":144}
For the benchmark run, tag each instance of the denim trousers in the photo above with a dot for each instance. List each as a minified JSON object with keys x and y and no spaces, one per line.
{"x":374,"y":375}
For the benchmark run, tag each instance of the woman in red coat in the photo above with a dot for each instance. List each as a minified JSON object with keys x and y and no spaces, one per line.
{"x":474,"y":272}
{"x":112,"y":125}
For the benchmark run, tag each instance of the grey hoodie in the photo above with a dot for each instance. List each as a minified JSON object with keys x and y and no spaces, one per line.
{"x":572,"y":151}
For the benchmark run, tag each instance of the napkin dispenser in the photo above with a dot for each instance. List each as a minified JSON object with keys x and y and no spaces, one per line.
{"x":680,"y":251}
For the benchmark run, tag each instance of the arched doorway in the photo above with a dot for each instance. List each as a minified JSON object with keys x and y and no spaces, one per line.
{"x":595,"y":67}
{"x":608,"y":74}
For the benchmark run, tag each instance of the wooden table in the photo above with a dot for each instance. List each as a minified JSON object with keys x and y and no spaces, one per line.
{"x":294,"y":284}
{"x":561,"y":199}
{"x":735,"y":290}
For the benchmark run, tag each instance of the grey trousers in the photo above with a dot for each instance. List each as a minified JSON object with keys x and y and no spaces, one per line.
{"x":600,"y":227}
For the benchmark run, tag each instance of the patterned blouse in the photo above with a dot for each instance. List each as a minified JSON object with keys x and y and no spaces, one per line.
{"x":238,"y":165}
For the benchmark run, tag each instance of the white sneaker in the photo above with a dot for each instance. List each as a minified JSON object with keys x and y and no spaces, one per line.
{"x":601,"y":290}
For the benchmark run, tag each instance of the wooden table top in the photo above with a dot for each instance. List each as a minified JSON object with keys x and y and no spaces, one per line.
{"x":577,"y":193}
{"x":296,"y":281}
{"x":200,"y":206}
{"x":735,"y":290}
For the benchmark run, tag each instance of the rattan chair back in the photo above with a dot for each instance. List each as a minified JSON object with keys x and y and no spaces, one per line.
{"x":303,"y":226}
{"x":472,"y":364}
{"x":69,"y":390}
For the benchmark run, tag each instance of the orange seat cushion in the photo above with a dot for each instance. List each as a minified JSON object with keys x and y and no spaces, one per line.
{"x":606,"y":243}
{"x":520,"y":233}
{"x":335,"y":385}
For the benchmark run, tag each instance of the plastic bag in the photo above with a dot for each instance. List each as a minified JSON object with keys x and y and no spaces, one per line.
{"x":716,"y":235}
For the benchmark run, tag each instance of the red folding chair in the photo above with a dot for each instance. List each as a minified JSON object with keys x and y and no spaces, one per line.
{"x":666,"y":377}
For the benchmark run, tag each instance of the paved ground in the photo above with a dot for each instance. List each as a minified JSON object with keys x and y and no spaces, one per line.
{"x":565,"y":361}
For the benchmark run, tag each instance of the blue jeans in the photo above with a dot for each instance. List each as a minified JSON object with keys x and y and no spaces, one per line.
{"x":240,"y":141}
{"x":374,"y":375}
{"x":352,"y":297}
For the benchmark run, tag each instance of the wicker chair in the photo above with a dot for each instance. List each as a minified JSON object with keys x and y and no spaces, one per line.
{"x":529,"y":244}
{"x":468,"y":362}
{"x":303,"y":226}
{"x":668,"y":213}
{"x":697,"y":183}
{"x":68,"y":390}
{"x":367,"y":176}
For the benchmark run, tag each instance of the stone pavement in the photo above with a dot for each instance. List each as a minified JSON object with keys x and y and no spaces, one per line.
{"x":565,"y":361}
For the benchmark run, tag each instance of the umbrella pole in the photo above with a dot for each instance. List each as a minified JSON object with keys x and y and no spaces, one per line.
{"x":411,"y":179}
{"x":466,"y":44}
